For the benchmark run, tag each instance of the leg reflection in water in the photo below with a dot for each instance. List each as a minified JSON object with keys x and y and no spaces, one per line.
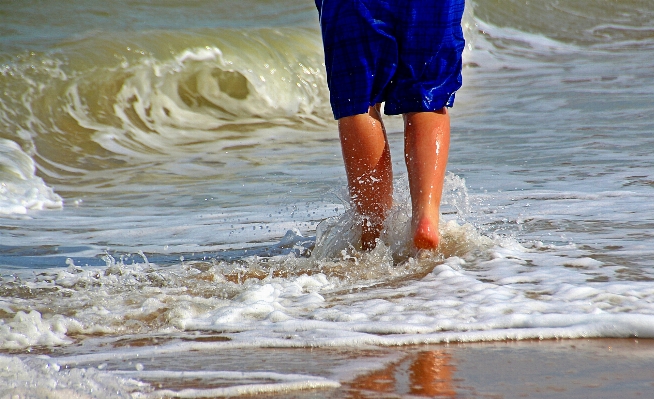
{"x":427,"y":374}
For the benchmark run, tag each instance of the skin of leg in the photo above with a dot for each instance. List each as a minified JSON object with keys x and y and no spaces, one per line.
{"x":426,"y":148}
{"x":367,"y":158}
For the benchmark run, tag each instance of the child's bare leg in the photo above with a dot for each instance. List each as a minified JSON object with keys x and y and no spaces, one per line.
{"x":426,"y":147}
{"x":369,"y":171}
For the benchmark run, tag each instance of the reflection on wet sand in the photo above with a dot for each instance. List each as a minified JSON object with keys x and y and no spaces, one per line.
{"x":428,"y":373}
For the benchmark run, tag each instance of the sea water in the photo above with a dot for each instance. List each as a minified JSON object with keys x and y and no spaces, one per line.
{"x":171,"y":183}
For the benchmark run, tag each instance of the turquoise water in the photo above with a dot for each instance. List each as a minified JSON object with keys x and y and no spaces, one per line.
{"x":170,"y":177}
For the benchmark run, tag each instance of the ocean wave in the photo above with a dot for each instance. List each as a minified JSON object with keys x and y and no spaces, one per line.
{"x":113,"y":101}
{"x":93,"y":101}
{"x":584,"y":23}
{"x":244,"y":81}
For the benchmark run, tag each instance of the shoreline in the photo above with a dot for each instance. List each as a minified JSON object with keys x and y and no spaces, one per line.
{"x":570,"y":368}
{"x":575,"y":368}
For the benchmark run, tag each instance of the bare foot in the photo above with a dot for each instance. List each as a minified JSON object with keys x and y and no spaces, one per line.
{"x":425,"y":235}
{"x":369,"y":234}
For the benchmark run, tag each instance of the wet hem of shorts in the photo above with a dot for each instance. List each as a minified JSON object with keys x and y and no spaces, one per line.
{"x":344,"y":112}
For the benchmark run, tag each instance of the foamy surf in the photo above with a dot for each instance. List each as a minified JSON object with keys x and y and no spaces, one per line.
{"x":39,"y":378}
{"x":476,"y":287}
{"x":503,"y":291}
{"x":211,"y":252}
{"x":506,"y":292}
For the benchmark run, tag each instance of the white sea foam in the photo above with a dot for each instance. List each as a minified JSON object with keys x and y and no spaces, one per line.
{"x":281,"y":382}
{"x":30,"y":329}
{"x":507,"y":292}
{"x":39,"y":378}
{"x":20,"y":189}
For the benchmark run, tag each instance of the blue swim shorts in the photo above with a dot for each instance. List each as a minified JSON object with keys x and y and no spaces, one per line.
{"x":405,"y":53}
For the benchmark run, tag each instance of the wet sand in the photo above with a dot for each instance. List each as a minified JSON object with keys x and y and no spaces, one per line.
{"x":584,"y":368}
{"x":593,"y":368}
